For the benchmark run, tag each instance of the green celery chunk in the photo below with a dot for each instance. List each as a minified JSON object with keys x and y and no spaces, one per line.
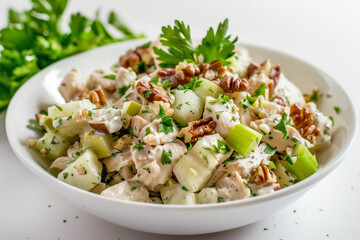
{"x":132,"y":108}
{"x":243,"y":139}
{"x":302,"y":163}
{"x":100,"y":143}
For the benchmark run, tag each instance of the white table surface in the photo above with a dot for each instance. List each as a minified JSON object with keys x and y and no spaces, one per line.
{"x":324,"y":33}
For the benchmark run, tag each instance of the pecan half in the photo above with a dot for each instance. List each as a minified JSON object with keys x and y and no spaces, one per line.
{"x":37,"y":117}
{"x":97,"y":97}
{"x":212,"y":71}
{"x":166,"y":73}
{"x":264,"y":175}
{"x":129,"y":60}
{"x":231,"y":84}
{"x":197,"y":129}
{"x":153,"y":92}
{"x":252,"y":69}
{"x":304,"y":121}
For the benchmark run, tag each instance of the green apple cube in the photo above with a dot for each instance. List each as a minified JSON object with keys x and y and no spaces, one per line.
{"x":84,"y":172}
{"x":132,"y":108}
{"x":52,"y":146}
{"x":67,"y":109}
{"x":99,"y":142}
{"x":187,"y":107}
{"x":177,"y":194}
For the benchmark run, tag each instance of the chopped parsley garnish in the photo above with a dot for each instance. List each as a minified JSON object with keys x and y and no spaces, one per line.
{"x":43,"y":112}
{"x":328,"y":95}
{"x":337,"y":110}
{"x":223,"y":99}
{"x":139,"y":147}
{"x":147,"y":131}
{"x":123,"y":90}
{"x":145,"y":110}
{"x":154,"y":80}
{"x":230,"y":159}
{"x":179,"y":106}
{"x":184,"y":188}
{"x":281,"y":126}
{"x":233,"y":119}
{"x":133,"y":189}
{"x":260,"y":91}
{"x":214,"y":46}
{"x":315,"y":96}
{"x":187,"y":103}
{"x":58,"y":107}
{"x":165,"y":84}
{"x":288,"y":159}
{"x":141,"y":67}
{"x":294,"y":139}
{"x":220,"y":199}
{"x":208,"y":109}
{"x":147,"y":94}
{"x":194,"y":83}
{"x":166,"y":125}
{"x":110,"y":76}
{"x":69,"y":118}
{"x":147,"y":169}
{"x":165,"y":157}
{"x":53,"y":141}
{"x":65,"y":175}
{"x":220,"y":148}
{"x":269,"y":150}
{"x":33,"y":124}
{"x":116,"y":153}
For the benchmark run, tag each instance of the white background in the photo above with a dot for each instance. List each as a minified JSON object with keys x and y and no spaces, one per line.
{"x":324,"y":33}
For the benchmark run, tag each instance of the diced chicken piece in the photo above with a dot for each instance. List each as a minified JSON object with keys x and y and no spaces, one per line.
{"x":256,"y":81}
{"x":265,"y":108}
{"x":125,"y":77}
{"x":74,"y":150}
{"x":243,"y":166}
{"x":150,"y":134}
{"x":128,"y":191}
{"x":72,"y":85}
{"x":263,"y":188}
{"x":107,"y":120}
{"x":137,"y":124}
{"x":153,"y":165}
{"x":151,"y":111}
{"x":225,"y":114}
{"x":99,"y":188}
{"x":118,"y":160}
{"x":324,"y":124}
{"x":275,"y":138}
{"x":232,"y":187}
{"x":103,"y":78}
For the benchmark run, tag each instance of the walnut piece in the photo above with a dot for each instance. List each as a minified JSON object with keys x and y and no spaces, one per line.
{"x":281,"y":100}
{"x":212,"y":71}
{"x":231,"y":84}
{"x":304,"y":121}
{"x":264,"y":175}
{"x":197,"y":129}
{"x":153,"y":92}
{"x":97,"y":97}
{"x":133,"y":57}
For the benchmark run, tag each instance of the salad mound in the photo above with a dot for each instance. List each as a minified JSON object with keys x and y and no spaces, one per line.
{"x":174,"y":123}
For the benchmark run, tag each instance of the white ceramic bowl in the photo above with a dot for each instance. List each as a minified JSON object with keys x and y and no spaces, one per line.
{"x":41,"y":91}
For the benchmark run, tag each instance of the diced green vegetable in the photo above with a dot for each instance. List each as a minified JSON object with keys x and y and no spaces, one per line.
{"x":84,"y":173}
{"x":52,"y":146}
{"x":194,"y":169}
{"x":69,"y":108}
{"x":177,"y":194}
{"x":303,"y":164}
{"x":208,"y":88}
{"x":187,"y":107}
{"x":100,"y":143}
{"x":46,"y":122}
{"x":132,"y":108}
{"x":243,"y":139}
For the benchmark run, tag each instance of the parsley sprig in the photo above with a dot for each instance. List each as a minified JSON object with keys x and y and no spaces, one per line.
{"x":166,"y":125}
{"x":215,"y":46}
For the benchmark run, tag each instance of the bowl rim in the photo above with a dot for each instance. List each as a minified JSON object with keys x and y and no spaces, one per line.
{"x":302,"y":185}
